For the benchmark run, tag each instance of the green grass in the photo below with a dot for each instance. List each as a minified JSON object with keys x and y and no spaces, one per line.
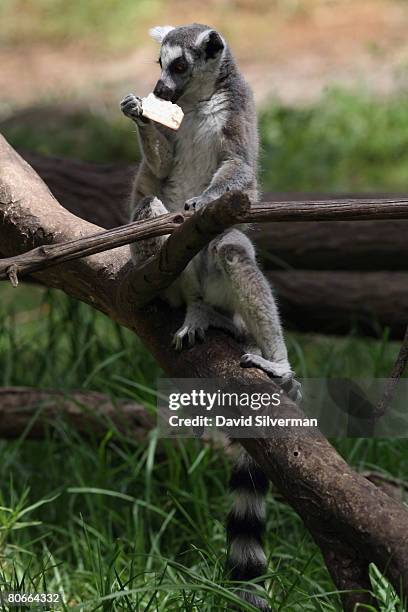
{"x":116,"y":525}
{"x":349,"y":141}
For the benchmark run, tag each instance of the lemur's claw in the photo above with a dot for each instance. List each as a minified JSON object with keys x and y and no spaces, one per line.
{"x":193,"y":334}
{"x":131,"y":106}
{"x":275,"y":370}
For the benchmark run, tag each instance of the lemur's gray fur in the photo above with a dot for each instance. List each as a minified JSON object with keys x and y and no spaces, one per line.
{"x":214,"y":151}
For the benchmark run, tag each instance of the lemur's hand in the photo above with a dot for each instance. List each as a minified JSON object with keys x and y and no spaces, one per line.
{"x":196,"y":203}
{"x":131,"y":106}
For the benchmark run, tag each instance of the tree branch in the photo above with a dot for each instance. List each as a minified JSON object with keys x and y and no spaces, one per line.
{"x":98,"y":193}
{"x":49,"y":255}
{"x":161,"y":270}
{"x":393,"y":381}
{"x":357,"y":209}
{"x":190,"y":237}
{"x":331,"y":498}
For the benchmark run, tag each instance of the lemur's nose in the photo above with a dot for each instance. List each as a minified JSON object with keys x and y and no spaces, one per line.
{"x":162,"y":91}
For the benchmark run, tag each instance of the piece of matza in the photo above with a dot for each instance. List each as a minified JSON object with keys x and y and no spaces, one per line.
{"x":162,"y":111}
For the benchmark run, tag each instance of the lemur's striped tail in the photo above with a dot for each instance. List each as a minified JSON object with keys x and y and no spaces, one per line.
{"x":246,"y":526}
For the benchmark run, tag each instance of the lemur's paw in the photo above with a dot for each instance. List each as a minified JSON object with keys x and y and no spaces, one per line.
{"x":131,"y":106}
{"x":191,"y":332}
{"x":195,"y":203}
{"x":275,"y":370}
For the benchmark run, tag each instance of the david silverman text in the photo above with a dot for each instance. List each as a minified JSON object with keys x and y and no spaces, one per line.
{"x":242,"y":421}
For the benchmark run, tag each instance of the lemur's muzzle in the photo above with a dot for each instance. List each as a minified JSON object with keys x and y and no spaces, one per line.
{"x":163,"y":91}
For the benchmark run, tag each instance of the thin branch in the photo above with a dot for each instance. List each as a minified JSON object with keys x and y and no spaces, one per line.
{"x":207,"y":223}
{"x":49,"y":255}
{"x":343,"y":209}
{"x":393,"y":381}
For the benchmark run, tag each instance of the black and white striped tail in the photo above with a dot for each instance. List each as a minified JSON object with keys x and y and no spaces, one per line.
{"x":246,"y":526}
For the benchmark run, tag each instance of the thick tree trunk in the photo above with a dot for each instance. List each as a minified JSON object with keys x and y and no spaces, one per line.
{"x":352,"y":521}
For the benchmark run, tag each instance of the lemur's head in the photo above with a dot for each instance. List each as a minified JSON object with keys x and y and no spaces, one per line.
{"x":189,"y":59}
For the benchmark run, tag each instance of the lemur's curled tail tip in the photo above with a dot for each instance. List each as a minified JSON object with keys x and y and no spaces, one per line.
{"x":246,"y":526}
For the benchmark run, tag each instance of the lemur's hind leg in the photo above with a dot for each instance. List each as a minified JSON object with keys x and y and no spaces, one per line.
{"x":149,"y":207}
{"x":252,"y":298}
{"x":199,"y":317}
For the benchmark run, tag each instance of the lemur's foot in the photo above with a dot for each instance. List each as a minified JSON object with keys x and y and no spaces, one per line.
{"x":275,"y":370}
{"x":191,"y":332}
{"x":131,"y":106}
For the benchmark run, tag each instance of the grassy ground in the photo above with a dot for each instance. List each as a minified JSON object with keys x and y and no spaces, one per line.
{"x":119,"y":526}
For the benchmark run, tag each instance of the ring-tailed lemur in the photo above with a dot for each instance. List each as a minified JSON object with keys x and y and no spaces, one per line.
{"x":214,"y":151}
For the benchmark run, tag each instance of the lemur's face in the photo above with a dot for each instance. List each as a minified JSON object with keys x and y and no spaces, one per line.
{"x":188,"y":57}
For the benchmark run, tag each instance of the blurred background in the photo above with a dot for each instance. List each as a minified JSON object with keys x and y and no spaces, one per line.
{"x":97,"y":519}
{"x":324,"y":72}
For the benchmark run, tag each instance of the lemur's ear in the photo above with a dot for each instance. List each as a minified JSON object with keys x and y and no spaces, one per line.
{"x":159,"y":32}
{"x":211,"y":43}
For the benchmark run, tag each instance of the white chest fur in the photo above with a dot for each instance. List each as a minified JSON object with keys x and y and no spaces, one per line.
{"x":197,"y":151}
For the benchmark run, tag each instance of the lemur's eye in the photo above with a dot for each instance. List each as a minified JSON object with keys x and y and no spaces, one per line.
{"x":179,"y":67}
